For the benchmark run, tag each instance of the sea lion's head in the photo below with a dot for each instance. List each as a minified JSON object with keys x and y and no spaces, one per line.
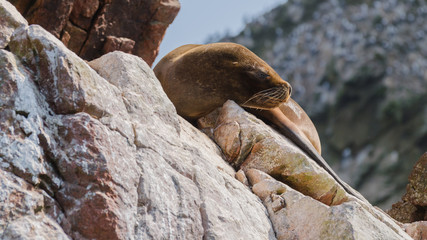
{"x":269,"y":88}
{"x":200,"y":78}
{"x":259,"y":86}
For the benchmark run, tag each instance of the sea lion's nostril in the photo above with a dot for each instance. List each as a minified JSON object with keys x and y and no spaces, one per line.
{"x":290,"y":90}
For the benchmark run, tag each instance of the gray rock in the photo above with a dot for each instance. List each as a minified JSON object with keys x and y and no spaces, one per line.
{"x":184,"y":183}
{"x":248,"y":143}
{"x":108,"y":157}
{"x":10,"y":20}
{"x":296,"y":216}
{"x":22,"y":208}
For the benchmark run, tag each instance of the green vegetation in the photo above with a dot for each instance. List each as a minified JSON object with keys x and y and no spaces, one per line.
{"x":402,"y":109}
{"x":365,"y":86}
{"x":310,"y":6}
{"x":38,"y":209}
{"x":357,"y":2}
{"x":377,"y":20}
{"x":393,"y":111}
{"x":331,"y":75}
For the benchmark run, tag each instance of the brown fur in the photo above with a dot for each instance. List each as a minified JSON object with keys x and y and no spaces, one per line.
{"x":200,"y":78}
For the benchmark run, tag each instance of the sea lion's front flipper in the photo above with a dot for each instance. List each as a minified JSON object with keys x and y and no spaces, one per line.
{"x":296,"y":114}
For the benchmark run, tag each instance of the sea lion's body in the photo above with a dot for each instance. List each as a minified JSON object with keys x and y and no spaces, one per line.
{"x":197,"y":78}
{"x":201,"y":78}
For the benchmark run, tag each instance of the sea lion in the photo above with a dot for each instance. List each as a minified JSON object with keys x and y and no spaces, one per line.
{"x":200,"y":78}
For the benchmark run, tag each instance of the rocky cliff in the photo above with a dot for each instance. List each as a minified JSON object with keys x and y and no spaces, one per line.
{"x":95,"y":27}
{"x":359,"y":70}
{"x":96,"y":151}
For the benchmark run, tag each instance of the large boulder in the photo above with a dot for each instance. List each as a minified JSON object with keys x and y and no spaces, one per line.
{"x":102,"y":154}
{"x":296,"y":216}
{"x":248,"y":143}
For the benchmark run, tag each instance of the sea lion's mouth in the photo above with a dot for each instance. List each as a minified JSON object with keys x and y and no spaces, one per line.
{"x":269,"y":98}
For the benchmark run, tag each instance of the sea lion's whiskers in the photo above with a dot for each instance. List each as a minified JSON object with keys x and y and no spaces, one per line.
{"x":272,"y":95}
{"x":259,"y":94}
{"x":277,"y":96}
{"x":278,"y":93}
{"x":282,"y":93}
{"x":265,"y":91}
{"x":271,"y":99}
{"x":274,"y":98}
{"x":250,"y":99}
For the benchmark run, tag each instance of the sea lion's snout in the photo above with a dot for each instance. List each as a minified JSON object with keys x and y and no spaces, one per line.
{"x":269,"y":98}
{"x":287,"y":88}
{"x":286,"y":92}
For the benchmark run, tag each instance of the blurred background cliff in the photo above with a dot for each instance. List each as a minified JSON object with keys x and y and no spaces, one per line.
{"x":358,"y":68}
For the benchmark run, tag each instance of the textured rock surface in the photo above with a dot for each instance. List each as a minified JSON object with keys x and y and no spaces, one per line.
{"x":84,"y":26}
{"x":416,"y":191}
{"x":10,"y":20}
{"x":413,"y":205}
{"x":52,"y":15}
{"x":417,"y":230}
{"x":23,"y":210}
{"x":295,"y":216}
{"x":249,"y":143}
{"x":118,"y":44}
{"x":358,"y":68}
{"x":102,"y":154}
{"x":67,"y":82}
